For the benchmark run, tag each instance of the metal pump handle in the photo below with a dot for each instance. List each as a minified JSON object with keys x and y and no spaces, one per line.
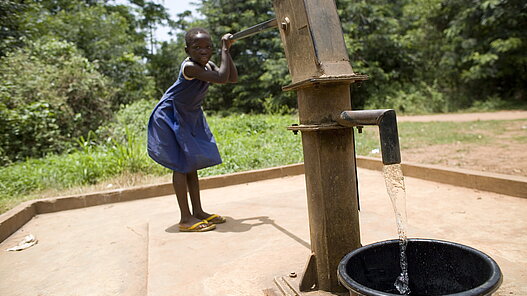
{"x":255,"y":29}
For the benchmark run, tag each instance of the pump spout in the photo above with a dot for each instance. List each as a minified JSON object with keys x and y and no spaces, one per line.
{"x":387,"y":122}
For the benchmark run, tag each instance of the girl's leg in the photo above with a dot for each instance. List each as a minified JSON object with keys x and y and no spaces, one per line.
{"x":193,"y":190}
{"x":179,"y":181}
{"x":197,"y":210}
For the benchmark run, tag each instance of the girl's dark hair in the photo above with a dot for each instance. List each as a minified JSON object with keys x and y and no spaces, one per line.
{"x":193,"y":32}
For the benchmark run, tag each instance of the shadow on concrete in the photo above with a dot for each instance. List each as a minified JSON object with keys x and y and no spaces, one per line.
{"x":241,"y":225}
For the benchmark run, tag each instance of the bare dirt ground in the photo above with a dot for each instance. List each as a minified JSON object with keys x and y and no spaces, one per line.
{"x":505,"y":154}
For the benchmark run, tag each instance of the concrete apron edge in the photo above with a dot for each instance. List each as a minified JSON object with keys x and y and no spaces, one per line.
{"x":15,"y":218}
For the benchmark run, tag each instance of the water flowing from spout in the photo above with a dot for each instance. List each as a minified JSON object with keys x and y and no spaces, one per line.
{"x":393,"y":177}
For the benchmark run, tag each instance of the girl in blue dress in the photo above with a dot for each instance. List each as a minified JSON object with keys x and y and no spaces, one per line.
{"x":179,"y":137}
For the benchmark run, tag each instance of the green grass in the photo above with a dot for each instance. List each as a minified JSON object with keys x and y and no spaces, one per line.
{"x":249,"y":142}
{"x":246,"y":142}
{"x":419,"y":134}
{"x":415,"y":134}
{"x":521,"y":139}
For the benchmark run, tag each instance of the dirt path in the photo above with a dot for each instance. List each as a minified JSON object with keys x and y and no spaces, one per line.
{"x":501,"y":115}
{"x":506,"y":153}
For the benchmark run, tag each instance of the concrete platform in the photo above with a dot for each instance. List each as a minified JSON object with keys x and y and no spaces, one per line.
{"x":134,"y":247}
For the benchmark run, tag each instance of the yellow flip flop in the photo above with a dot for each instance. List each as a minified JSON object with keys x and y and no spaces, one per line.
{"x":216,"y":219}
{"x":197,"y":227}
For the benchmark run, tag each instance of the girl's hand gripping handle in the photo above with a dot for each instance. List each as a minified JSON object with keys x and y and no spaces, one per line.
{"x":226,"y":41}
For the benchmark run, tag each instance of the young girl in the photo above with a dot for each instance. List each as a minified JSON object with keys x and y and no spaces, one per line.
{"x":178,"y":135}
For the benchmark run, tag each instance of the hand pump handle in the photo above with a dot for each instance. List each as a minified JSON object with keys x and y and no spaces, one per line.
{"x":254,"y":29}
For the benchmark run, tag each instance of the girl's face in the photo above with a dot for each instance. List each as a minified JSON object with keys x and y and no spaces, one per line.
{"x":200,"y":48}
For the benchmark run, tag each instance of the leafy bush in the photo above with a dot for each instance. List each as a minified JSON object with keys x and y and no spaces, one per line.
{"x":418,"y":99}
{"x":493,"y":103}
{"x":49,"y":95}
{"x":131,"y":118}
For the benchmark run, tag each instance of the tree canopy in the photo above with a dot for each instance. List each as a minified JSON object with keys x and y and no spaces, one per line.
{"x":66,"y":66}
{"x":420,"y":55}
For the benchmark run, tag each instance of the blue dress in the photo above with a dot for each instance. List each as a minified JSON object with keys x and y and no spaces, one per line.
{"x":179,"y":137}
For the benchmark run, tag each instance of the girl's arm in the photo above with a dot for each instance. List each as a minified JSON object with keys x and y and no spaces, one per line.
{"x":221,"y":75}
{"x":233,"y":72}
{"x":233,"y":77}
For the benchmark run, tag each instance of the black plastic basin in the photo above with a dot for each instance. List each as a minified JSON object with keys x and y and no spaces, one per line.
{"x":434,"y":267}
